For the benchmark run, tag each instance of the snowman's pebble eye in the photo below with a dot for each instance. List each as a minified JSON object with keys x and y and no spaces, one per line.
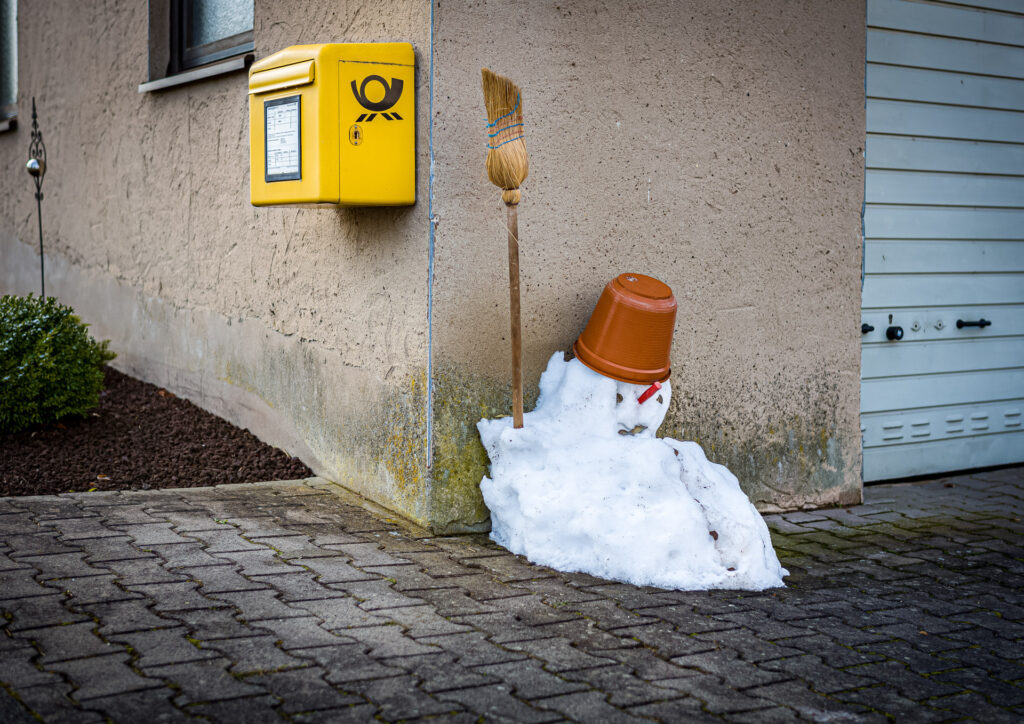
{"x":618,"y":398}
{"x":661,"y":401}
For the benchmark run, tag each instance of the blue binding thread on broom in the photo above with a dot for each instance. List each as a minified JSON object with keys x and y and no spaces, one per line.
{"x":506,"y":128}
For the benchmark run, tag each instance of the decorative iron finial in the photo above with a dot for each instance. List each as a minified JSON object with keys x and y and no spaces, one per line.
{"x":36,"y":165}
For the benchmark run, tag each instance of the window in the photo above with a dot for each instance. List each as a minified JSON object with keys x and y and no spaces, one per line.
{"x":190,"y":40}
{"x":205,"y":31}
{"x":8,"y":62}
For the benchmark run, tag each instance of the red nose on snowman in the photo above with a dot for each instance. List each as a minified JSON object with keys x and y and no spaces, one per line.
{"x":649,"y":393}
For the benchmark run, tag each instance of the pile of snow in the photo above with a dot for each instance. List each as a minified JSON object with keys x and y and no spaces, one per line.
{"x":586,"y":486}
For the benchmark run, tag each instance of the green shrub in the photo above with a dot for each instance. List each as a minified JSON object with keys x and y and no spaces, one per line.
{"x":49,"y":365}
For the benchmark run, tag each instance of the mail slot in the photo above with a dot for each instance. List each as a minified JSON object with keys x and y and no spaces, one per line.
{"x":333,"y":124}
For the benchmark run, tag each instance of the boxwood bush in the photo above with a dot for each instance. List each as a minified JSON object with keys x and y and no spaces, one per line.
{"x":50,"y":367}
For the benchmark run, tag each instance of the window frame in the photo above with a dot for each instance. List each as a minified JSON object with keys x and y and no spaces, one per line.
{"x":9,"y":111}
{"x":185,"y":57}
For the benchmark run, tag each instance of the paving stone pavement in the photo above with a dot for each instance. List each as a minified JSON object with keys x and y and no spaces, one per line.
{"x":287,"y":602}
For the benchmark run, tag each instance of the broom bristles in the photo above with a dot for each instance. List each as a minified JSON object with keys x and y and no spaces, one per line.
{"x":507,"y":161}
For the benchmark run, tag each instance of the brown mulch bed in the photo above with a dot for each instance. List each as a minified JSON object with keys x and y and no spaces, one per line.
{"x":140,"y":437}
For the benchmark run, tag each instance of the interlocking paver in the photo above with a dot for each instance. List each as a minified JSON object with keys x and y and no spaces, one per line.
{"x":495,"y":703}
{"x":529,"y":679}
{"x":100,"y":551}
{"x":339,"y":614}
{"x":153,"y":706}
{"x":419,"y":621}
{"x":13,"y":711}
{"x":19,"y":671}
{"x":102,"y":676}
{"x":173,"y":596}
{"x":62,"y":643}
{"x":255,"y":654}
{"x":221,"y":579}
{"x":293,"y":587}
{"x":620,"y":685}
{"x":346,"y":663}
{"x":560,"y":655}
{"x":399,"y":698}
{"x":303,"y":690}
{"x":161,"y":646}
{"x":282,"y":599}
{"x":259,"y":562}
{"x":727,"y":665}
{"x":203,"y":681}
{"x":212,"y":624}
{"x":473,"y":649}
{"x":335,"y":569}
{"x":441,"y":672}
{"x":258,"y":605}
{"x":136,"y":571}
{"x":689,"y":708}
{"x":385,"y":641}
{"x":51,"y":702}
{"x":40,"y":611}
{"x":256,"y":709}
{"x":302,"y":633}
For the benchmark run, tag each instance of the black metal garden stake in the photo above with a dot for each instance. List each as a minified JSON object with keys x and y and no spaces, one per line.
{"x":36,"y":168}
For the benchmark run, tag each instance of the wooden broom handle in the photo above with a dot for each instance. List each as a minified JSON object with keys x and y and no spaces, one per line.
{"x":514,"y":316}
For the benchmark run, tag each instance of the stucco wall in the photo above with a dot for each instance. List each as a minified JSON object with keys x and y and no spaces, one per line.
{"x":714,"y":145}
{"x":307,"y":324}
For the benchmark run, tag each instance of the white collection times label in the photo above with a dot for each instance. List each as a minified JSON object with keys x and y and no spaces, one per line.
{"x":282,"y":134}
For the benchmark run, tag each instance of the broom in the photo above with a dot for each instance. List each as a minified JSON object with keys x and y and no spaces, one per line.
{"x":507,"y":166}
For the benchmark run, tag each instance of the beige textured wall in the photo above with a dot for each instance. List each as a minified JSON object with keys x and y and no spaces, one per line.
{"x":310,"y":324}
{"x":713,"y":144}
{"x":716,"y":145}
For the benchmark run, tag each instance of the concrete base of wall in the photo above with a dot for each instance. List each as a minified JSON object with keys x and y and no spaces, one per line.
{"x":348,"y":425}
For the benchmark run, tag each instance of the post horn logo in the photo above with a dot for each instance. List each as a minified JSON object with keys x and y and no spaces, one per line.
{"x":391,"y":95}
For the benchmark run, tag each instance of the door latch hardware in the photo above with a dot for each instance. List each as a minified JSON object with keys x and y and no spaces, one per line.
{"x":894,"y":334}
{"x":960,"y":324}
{"x":865,"y":328}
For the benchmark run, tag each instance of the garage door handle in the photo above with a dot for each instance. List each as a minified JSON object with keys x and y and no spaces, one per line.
{"x":865,"y":328}
{"x":960,"y":324}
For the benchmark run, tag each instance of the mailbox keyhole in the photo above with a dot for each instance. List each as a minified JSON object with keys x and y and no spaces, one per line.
{"x":355,"y":134}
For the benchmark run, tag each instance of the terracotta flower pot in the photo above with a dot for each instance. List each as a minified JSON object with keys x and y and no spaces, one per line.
{"x":629,"y":335}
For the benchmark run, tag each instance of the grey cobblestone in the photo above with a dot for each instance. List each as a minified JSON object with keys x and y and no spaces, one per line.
{"x":283,"y":600}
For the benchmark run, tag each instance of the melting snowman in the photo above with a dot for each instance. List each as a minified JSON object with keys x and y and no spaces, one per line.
{"x":586,"y":486}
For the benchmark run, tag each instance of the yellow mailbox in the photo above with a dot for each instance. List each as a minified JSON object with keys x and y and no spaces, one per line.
{"x":333,"y":124}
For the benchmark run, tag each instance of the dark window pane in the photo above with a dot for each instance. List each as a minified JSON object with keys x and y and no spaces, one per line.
{"x":213,"y":20}
{"x":8,"y":57}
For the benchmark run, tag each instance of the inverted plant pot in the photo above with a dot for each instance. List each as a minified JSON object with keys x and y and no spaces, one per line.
{"x":629,"y":335}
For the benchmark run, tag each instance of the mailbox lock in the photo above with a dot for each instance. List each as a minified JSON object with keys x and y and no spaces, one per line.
{"x":894,"y":334}
{"x":355,"y":134}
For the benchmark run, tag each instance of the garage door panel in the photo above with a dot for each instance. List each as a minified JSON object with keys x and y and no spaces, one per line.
{"x":912,"y":153}
{"x":889,"y":291}
{"x":942,"y":423}
{"x":941,"y":222}
{"x":956,"y":22}
{"x":946,"y":87}
{"x":952,"y":189}
{"x":883,"y":358}
{"x":927,"y":119}
{"x":923,"y":458}
{"x":888,"y":256}
{"x":924,"y":51}
{"x":955,"y":388}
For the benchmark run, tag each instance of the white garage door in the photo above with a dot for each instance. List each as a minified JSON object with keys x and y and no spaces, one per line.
{"x":944,"y":237}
